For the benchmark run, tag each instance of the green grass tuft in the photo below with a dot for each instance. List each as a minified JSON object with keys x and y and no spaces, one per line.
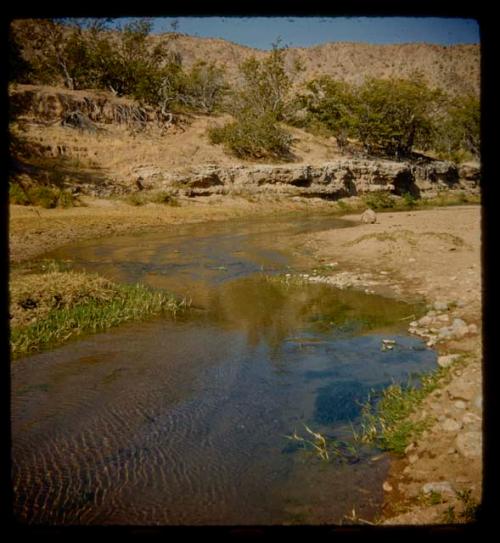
{"x":123,"y":303}
{"x":386,"y":419}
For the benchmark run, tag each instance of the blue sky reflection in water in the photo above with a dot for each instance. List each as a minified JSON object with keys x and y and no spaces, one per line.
{"x":185,"y":422}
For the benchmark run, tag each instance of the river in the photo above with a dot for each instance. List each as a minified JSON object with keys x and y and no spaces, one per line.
{"x":191,"y":421}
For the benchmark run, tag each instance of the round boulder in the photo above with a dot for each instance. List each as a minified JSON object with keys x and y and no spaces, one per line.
{"x":369,"y":217}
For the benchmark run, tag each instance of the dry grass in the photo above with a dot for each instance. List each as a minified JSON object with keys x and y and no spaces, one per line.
{"x":49,"y":308}
{"x":34,"y":295}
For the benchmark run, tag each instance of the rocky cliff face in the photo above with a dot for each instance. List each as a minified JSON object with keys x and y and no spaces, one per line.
{"x":332,"y":180}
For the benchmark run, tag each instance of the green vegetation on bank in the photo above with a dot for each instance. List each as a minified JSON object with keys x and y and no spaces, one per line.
{"x":52,"y":306}
{"x":386,"y":417}
{"x":389,"y":117}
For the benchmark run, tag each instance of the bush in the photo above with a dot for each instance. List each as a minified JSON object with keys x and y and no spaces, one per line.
{"x":379,"y":200}
{"x":46,"y":197}
{"x":17,"y":195}
{"x":253,"y":137}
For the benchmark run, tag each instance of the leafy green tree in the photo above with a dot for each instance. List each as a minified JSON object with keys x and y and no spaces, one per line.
{"x":459,"y":130}
{"x":330,"y":106}
{"x":258,"y":106}
{"x":265,"y":84}
{"x":394,"y":115}
{"x":203,"y":87}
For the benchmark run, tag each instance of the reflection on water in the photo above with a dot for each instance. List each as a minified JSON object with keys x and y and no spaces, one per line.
{"x":184,"y":422}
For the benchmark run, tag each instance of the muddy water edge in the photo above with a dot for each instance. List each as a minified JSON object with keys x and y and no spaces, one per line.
{"x":202,"y":420}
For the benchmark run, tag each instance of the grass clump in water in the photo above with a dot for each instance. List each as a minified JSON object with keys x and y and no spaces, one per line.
{"x":387,"y":417}
{"x":49,"y":308}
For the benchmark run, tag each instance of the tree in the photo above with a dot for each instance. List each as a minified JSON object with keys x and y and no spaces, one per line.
{"x":394,"y":115}
{"x":258,"y":106}
{"x":330,"y":106}
{"x":459,"y":131}
{"x":203,"y":87}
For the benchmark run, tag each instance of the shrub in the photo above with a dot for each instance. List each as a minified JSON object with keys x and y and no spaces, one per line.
{"x":253,"y":137}
{"x":17,"y":195}
{"x":379,"y":200}
{"x":46,"y":197}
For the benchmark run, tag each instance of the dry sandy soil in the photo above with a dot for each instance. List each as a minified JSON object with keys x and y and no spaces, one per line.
{"x":432,"y":254}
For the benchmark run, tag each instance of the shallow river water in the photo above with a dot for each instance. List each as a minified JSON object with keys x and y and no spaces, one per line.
{"x":188,"y":421}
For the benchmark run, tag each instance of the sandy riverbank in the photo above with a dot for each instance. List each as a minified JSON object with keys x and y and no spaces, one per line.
{"x":435,"y":255}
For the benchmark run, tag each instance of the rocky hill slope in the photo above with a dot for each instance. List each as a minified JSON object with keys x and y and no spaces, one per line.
{"x":454,"y":69}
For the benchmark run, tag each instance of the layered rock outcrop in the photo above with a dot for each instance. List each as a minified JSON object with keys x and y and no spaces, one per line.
{"x":332,"y":180}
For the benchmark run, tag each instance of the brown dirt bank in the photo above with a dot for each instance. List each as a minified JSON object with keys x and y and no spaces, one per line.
{"x":435,"y":255}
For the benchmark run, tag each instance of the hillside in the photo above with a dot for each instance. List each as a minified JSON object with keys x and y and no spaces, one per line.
{"x":455,"y":69}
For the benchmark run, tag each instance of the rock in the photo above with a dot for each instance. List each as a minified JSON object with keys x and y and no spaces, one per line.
{"x":445,"y":333}
{"x":447,"y":360}
{"x":472,"y":329}
{"x":478,"y":401}
{"x":470,"y":444}
{"x":413,"y":458}
{"x":387,"y":487}
{"x":459,"y":404}
{"x":440,"y":306}
{"x":425,"y":321}
{"x":441,"y":487}
{"x":461,"y":391}
{"x":459,"y":328}
{"x":410,"y":447}
{"x":369,"y":217}
{"x":451,"y":425}
{"x":470,"y":418}
{"x":443,"y":318}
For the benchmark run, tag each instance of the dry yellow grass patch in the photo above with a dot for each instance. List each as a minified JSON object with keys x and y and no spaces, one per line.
{"x":34,"y":295}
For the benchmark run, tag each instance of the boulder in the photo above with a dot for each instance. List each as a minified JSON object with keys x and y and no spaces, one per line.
{"x":369,"y":217}
{"x":441,"y":487}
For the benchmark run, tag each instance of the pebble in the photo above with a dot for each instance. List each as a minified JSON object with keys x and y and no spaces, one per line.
{"x":443,"y":318}
{"x":472,"y":329}
{"x":470,"y":444}
{"x":459,"y":328}
{"x":447,"y":360}
{"x":440,"y":306}
{"x":410,"y":447}
{"x":451,"y":425}
{"x":461,"y":391}
{"x":459,"y":404}
{"x":387,"y":486}
{"x":424,"y":321}
{"x":478,"y":401}
{"x":470,"y":418}
{"x":413,"y":458}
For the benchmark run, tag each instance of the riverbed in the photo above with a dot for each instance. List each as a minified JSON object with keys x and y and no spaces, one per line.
{"x":192,"y":421}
